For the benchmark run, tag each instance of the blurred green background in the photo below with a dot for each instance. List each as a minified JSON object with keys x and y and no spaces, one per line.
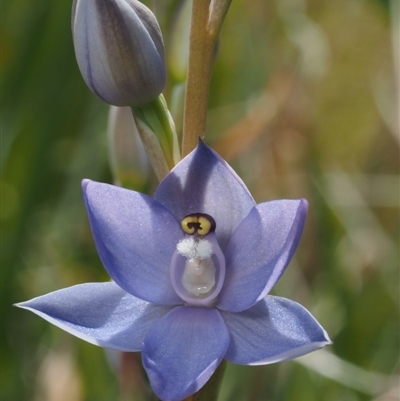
{"x":303,"y":103}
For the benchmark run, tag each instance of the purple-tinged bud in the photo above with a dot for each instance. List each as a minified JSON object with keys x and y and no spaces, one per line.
{"x":119,"y":49}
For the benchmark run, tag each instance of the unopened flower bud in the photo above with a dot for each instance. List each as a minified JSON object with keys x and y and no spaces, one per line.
{"x":128,"y":159}
{"x":119,"y":49}
{"x":179,"y":50}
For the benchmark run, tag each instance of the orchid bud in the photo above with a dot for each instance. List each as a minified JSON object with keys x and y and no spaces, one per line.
{"x":119,"y":49}
{"x":179,"y":51}
{"x":128,"y":159}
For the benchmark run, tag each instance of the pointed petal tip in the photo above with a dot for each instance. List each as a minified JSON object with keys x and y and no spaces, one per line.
{"x":327,"y":341}
{"x":25,"y":304}
{"x":102,"y":314}
{"x":292,"y":354}
{"x":85,"y":183}
{"x":201,"y":182}
{"x":295,"y":352}
{"x":200,"y":147}
{"x":274,"y":330}
{"x":304,"y":204}
{"x":302,"y":211}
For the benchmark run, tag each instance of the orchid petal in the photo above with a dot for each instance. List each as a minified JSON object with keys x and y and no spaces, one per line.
{"x":259,"y":251}
{"x":183,"y":349}
{"x":204,"y":183}
{"x":274,"y":330}
{"x":135,"y":237}
{"x":99,"y":313}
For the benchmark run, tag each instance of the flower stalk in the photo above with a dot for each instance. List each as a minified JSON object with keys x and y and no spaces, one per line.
{"x":157,"y":131}
{"x":206,"y":23}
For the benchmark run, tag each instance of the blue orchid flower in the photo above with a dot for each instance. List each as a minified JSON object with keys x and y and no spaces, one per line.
{"x":192,"y":268}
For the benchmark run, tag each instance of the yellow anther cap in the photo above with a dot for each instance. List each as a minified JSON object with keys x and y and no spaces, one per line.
{"x":198,"y":223}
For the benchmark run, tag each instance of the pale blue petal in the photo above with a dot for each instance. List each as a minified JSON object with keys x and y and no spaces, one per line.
{"x":99,"y":313}
{"x":273,"y":330}
{"x":135,"y":237}
{"x":183,"y":349}
{"x":259,"y":251}
{"x":204,"y":183}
